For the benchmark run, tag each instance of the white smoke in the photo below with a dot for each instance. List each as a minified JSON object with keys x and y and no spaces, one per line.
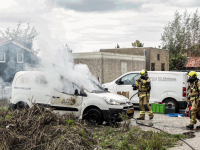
{"x":75,"y":76}
{"x":54,"y":57}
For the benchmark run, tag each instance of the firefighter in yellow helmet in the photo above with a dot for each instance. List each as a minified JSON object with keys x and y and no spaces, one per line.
{"x":143,"y":85}
{"x":194,"y":89}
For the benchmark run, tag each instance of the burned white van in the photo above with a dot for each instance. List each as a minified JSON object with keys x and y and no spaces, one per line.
{"x":95,"y":105}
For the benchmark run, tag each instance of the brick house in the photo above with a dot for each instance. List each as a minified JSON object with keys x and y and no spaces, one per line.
{"x":108,"y":66}
{"x":156,"y":59}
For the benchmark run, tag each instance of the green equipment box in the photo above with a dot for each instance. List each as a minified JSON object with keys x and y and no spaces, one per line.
{"x":158,"y":108}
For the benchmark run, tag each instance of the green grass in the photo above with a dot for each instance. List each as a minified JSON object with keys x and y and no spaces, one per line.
{"x":134,"y":138}
{"x":70,"y":122}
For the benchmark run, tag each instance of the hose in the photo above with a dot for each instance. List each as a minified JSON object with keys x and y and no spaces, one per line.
{"x":133,"y":95}
{"x":164,"y":132}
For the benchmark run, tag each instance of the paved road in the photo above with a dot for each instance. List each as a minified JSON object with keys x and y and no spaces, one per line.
{"x":173,"y":125}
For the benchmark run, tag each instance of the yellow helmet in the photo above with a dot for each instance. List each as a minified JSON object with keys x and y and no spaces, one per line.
{"x":192,"y":74}
{"x":142,"y":72}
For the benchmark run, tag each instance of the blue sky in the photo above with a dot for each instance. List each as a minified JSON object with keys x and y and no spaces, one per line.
{"x":90,"y":25}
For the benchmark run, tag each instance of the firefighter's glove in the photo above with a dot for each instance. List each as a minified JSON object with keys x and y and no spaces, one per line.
{"x":134,"y":87}
{"x":139,"y":80}
{"x":148,"y":83}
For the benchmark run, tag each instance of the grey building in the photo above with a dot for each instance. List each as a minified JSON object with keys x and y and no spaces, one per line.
{"x":13,"y":58}
{"x":108,"y":66}
{"x":156,"y":59}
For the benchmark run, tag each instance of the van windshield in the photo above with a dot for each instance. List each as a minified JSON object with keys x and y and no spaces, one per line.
{"x":69,"y":87}
{"x":97,"y":87}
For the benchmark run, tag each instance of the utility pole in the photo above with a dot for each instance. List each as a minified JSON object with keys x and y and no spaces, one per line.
{"x":144,"y":52}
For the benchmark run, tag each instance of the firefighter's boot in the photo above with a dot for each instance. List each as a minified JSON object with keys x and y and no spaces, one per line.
{"x":140,"y":118}
{"x":150,"y":113}
{"x":198,"y":127}
{"x":150,"y":118}
{"x":142,"y":115}
{"x":190,"y":126}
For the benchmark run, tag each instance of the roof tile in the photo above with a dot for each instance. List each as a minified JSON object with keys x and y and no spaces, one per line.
{"x":4,"y":40}
{"x":193,"y":62}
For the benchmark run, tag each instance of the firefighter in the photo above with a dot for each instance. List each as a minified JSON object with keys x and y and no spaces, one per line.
{"x":143,"y":84}
{"x":193,"y":96}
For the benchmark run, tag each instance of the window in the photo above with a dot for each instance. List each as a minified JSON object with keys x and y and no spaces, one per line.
{"x":20,"y":58}
{"x":41,"y":80}
{"x":2,"y":57}
{"x":163,"y":67}
{"x":23,"y":82}
{"x":129,"y":79}
{"x":158,"y":56}
{"x":153,"y":66}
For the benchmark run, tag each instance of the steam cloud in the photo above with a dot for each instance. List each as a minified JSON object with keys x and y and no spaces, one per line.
{"x":61,"y":72}
{"x":43,"y":17}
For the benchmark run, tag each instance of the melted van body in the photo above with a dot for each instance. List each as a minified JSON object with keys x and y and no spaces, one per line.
{"x":96,"y":106}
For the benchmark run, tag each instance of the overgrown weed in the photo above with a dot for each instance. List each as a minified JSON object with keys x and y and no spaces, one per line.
{"x":39,"y":128}
{"x":129,"y":138}
{"x":134,"y":138}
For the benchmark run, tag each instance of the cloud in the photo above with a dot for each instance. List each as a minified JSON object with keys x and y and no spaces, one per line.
{"x":8,"y":4}
{"x":120,"y":5}
{"x":97,"y":5}
{"x":91,"y":25}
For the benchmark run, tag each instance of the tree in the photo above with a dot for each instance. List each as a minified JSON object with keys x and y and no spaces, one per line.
{"x":137,"y":43}
{"x":23,"y":36}
{"x":182,"y":37}
{"x":117,"y":46}
{"x":178,"y":62}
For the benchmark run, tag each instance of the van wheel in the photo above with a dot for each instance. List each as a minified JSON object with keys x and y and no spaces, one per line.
{"x":94,"y":116}
{"x":21,"y":105}
{"x":173,"y":103}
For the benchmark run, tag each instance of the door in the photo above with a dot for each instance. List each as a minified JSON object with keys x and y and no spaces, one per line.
{"x":66,"y":103}
{"x":22,"y":86}
{"x":64,"y":100}
{"x":40,"y":91}
{"x":125,"y":83}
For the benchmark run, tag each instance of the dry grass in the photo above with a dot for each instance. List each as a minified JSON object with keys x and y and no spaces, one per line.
{"x":40,"y":128}
{"x":4,"y":102}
